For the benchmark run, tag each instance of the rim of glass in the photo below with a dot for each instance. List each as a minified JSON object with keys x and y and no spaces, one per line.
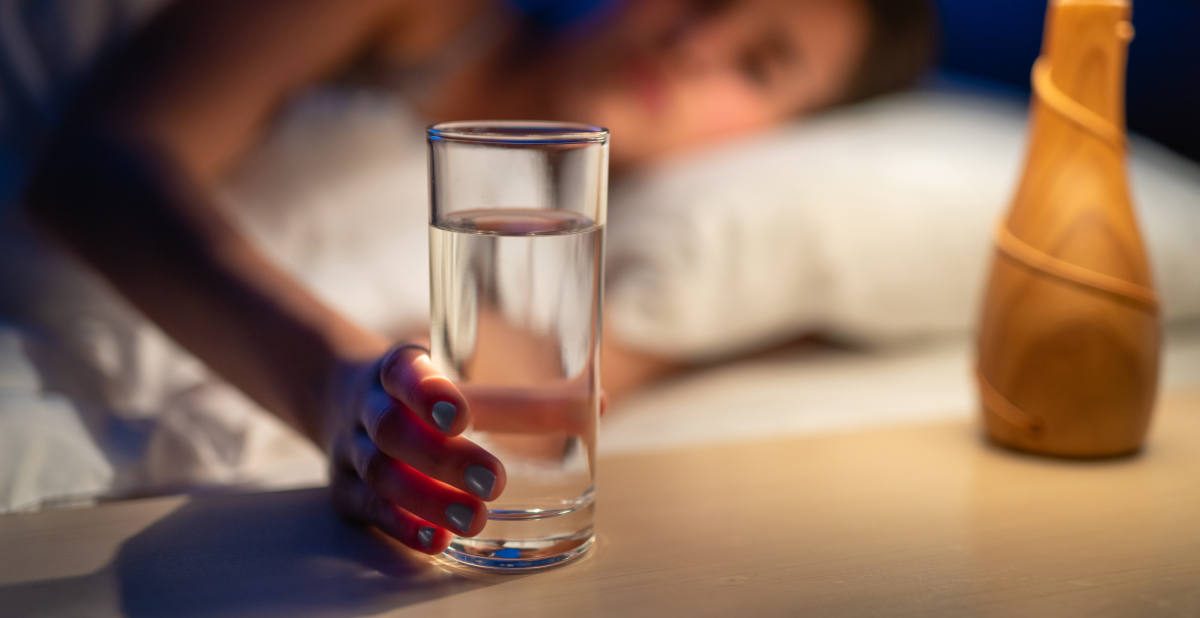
{"x":517,"y":132}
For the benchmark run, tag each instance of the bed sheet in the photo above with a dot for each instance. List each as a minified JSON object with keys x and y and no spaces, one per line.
{"x":811,"y":389}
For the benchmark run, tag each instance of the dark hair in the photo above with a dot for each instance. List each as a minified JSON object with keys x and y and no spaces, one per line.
{"x":900,"y":45}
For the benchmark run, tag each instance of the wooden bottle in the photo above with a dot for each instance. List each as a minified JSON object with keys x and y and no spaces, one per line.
{"x":1069,"y":340}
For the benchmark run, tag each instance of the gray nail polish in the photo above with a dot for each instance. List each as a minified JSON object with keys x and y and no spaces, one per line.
{"x":443,"y":414}
{"x":460,"y":515}
{"x":479,"y":480}
{"x":425,"y":535}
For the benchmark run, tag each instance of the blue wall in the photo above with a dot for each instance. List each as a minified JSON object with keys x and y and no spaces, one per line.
{"x":999,"y":39}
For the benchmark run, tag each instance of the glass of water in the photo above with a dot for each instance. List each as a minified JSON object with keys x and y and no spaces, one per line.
{"x":516,"y":245}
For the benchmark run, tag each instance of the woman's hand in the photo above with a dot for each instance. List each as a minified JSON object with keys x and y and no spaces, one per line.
{"x":397,"y":460}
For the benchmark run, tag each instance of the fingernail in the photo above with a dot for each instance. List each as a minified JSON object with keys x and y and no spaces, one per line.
{"x":460,"y":515}
{"x":425,"y":535}
{"x":443,"y":414}
{"x":480,"y":480}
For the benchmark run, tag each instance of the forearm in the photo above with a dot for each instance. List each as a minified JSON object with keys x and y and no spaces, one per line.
{"x":124,"y":205}
{"x":127,"y":186}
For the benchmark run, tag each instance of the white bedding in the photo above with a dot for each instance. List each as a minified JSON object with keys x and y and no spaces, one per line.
{"x":337,"y":195}
{"x":872,"y":224}
{"x":813,"y":389}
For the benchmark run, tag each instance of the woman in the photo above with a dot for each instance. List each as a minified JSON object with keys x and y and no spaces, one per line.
{"x":128,"y":184}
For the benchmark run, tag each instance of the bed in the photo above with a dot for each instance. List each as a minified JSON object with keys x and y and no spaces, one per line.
{"x":869,"y":226}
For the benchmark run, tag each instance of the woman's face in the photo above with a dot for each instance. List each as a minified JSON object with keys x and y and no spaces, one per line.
{"x":668,"y":75}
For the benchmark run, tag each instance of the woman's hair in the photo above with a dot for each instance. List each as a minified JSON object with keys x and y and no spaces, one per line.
{"x":900,"y":45}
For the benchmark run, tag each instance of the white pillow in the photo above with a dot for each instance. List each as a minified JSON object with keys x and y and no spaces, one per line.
{"x":871,"y":223}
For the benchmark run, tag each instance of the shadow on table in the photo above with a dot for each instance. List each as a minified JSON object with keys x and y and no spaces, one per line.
{"x":280,"y":553}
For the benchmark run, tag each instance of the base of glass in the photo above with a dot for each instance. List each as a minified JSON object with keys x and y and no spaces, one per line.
{"x":514,"y":556}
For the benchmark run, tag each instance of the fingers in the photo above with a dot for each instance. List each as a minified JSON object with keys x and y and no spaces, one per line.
{"x":456,"y":461}
{"x":408,"y":375}
{"x":355,"y":501}
{"x":416,"y":493}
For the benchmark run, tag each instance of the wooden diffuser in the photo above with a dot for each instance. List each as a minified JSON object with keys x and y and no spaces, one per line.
{"x":1069,"y":340}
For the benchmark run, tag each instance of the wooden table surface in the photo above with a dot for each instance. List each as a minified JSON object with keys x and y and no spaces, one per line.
{"x":910,"y":521}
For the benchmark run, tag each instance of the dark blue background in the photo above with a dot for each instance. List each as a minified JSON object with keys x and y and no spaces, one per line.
{"x":999,"y":39}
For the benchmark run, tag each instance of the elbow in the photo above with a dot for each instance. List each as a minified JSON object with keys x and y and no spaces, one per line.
{"x":86,"y":176}
{"x":58,"y":191}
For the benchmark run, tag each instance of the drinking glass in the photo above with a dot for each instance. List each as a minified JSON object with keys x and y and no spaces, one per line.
{"x":516,"y":245}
